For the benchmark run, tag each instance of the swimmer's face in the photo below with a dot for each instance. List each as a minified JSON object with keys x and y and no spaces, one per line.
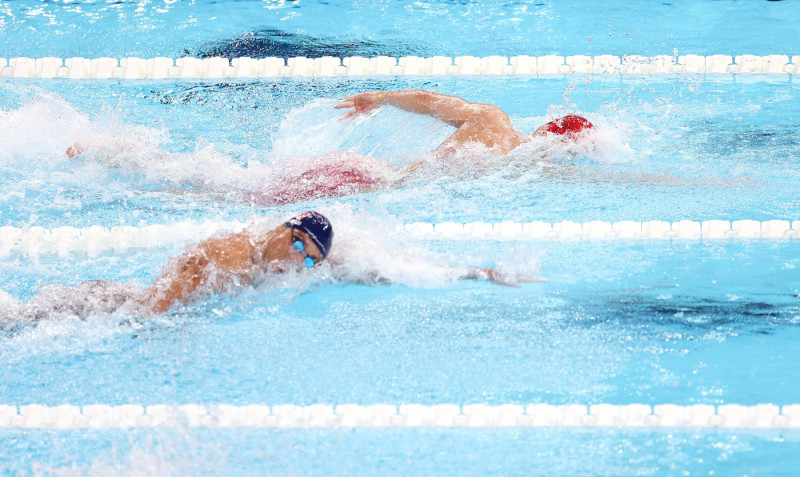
{"x":304,"y":250}
{"x":291,"y":248}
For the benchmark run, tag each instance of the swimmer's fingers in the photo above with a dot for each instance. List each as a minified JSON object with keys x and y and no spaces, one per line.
{"x":348,"y":103}
{"x":359,"y":102}
{"x":356,"y":111}
{"x":345,"y":103}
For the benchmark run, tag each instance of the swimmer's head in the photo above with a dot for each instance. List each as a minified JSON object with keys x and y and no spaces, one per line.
{"x":569,"y":126}
{"x":316,"y":227}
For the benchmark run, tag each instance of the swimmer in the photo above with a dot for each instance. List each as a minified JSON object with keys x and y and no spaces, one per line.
{"x":344,"y":173}
{"x":479,"y":123}
{"x":474,"y":122}
{"x":336,"y":174}
{"x":222,"y":263}
{"x":217,"y":265}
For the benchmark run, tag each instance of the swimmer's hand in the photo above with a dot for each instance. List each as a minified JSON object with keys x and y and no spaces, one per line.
{"x":360,"y":103}
{"x":75,"y":150}
{"x":496,"y":277}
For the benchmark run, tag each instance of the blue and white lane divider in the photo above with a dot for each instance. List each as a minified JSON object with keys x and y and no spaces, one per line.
{"x":96,"y":239}
{"x":356,"y":66}
{"x":99,"y":416}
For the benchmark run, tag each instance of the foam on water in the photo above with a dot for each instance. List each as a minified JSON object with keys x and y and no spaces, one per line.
{"x":317,"y":129}
{"x":45,"y":127}
{"x":40,"y":128}
{"x":94,"y":297}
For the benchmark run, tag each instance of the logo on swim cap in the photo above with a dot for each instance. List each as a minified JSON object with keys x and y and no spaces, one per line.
{"x":316,"y":227}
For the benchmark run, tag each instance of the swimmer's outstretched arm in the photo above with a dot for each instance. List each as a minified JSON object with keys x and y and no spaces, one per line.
{"x":474,"y":122}
{"x":494,"y":275}
{"x":452,"y":110}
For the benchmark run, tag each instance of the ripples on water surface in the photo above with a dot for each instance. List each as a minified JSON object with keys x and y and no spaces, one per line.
{"x":374,"y":27}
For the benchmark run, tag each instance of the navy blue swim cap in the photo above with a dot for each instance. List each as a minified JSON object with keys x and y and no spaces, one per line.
{"x":316,"y":226}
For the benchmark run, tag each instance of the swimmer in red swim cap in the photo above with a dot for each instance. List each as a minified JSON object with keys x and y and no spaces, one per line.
{"x":474,"y":122}
{"x":569,"y":126}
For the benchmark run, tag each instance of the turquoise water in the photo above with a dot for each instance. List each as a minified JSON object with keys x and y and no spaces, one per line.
{"x":617,"y":323}
{"x":694,"y":322}
{"x":400,"y":452}
{"x":373,"y":27}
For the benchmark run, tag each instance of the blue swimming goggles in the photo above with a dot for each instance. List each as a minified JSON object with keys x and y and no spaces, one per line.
{"x":301,"y":248}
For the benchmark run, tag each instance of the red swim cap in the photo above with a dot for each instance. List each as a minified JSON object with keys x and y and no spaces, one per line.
{"x":569,"y":125}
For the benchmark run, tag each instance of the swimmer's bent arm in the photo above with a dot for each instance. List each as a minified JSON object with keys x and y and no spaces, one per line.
{"x":213,"y":263}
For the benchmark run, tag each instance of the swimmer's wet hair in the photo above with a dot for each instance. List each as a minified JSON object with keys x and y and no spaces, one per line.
{"x":317,"y":227}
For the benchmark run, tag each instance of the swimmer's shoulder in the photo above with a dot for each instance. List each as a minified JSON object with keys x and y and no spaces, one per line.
{"x":230,"y":248}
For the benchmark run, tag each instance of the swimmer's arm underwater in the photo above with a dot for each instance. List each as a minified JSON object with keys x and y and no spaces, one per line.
{"x":371,"y":276}
{"x":494,"y":276}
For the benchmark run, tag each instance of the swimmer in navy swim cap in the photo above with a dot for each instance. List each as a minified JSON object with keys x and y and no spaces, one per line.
{"x":474,"y":122}
{"x":219,"y":264}
{"x":222,"y":263}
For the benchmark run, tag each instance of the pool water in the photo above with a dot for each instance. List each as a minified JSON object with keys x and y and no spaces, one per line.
{"x":653,"y":322}
{"x":286,"y":28}
{"x":428,"y":451}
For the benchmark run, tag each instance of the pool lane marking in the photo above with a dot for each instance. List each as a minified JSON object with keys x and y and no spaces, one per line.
{"x":356,"y":66}
{"x":99,"y":416}
{"x":96,"y":239}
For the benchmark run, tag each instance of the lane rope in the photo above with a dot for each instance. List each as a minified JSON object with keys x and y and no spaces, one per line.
{"x":94,"y":240}
{"x":355,"y":66}
{"x":100,"y":416}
